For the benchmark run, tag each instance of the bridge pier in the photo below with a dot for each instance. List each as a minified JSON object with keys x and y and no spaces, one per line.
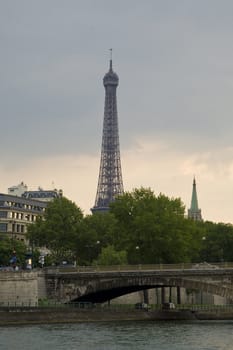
{"x":163,"y":295}
{"x":178,"y":295}
{"x":170,"y":294}
{"x":146,"y":296}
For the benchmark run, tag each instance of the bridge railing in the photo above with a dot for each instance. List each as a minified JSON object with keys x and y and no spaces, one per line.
{"x":141,"y":267}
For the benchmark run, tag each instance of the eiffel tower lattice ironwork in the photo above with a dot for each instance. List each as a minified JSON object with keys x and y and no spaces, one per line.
{"x":110,"y":182}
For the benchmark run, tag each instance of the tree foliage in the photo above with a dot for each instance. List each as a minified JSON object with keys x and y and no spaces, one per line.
{"x":110,"y":256}
{"x":97,"y":231}
{"x":155,"y":225}
{"x":58,"y":229}
{"x":217,"y":242}
{"x":140,"y":228}
{"x":7,"y":247}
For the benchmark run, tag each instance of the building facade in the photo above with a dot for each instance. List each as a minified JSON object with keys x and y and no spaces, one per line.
{"x":21,"y":207}
{"x":16,"y":213}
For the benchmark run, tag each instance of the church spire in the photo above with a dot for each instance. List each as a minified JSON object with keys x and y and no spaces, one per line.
{"x":194,"y":212}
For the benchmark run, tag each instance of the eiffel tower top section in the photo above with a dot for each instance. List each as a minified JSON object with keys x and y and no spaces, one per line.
{"x":111,"y":78}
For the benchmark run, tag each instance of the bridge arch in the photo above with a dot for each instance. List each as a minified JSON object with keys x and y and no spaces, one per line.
{"x":102,"y":291}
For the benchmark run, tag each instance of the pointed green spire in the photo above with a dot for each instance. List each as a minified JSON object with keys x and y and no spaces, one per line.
{"x":194,"y":212}
{"x":194,"y":202}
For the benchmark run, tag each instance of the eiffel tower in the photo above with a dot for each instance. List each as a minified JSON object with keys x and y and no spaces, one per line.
{"x":110,"y":182}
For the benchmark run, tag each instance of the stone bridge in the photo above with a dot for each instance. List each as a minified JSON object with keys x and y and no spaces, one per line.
{"x":101,"y":286}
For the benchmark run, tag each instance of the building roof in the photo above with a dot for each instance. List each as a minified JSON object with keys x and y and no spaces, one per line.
{"x":7,"y":200}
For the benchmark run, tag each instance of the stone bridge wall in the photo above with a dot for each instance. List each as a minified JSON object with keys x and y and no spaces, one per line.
{"x":27,"y":287}
{"x":104,"y":286}
{"x":18,"y":288}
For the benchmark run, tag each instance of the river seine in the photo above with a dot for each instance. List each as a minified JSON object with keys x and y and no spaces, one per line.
{"x":167,"y":335}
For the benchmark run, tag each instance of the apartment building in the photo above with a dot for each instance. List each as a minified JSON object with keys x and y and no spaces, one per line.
{"x":16,"y":213}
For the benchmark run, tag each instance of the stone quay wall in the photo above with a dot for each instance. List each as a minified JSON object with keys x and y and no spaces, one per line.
{"x":50,"y":315}
{"x":18,"y":288}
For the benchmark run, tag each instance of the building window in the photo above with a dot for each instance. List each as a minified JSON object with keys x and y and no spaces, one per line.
{"x":3,"y":227}
{"x":3,"y":214}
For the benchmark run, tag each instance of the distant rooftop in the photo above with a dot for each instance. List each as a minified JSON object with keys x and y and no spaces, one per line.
{"x":21,"y":190}
{"x":43,"y":195}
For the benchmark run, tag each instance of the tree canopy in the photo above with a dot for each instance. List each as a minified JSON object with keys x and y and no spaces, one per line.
{"x":152,"y":228}
{"x":58,"y":229}
{"x":140,"y":228}
{"x":7,"y":249}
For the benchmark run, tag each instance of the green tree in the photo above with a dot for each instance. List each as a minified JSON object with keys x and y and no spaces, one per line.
{"x":217,"y":242}
{"x":109,"y":256}
{"x":152,"y":229}
{"x":58,"y":229}
{"x":96,"y":233}
{"x":7,"y":246}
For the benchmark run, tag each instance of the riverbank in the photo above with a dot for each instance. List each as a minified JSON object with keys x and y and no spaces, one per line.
{"x":20,"y":316}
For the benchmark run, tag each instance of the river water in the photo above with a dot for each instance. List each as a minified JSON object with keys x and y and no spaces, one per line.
{"x":166,"y":335}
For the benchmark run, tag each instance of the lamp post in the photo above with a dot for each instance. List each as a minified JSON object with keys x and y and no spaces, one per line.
{"x":13,"y":259}
{"x":32,"y":254}
{"x":137,"y":248}
{"x":32,"y":244}
{"x":204,"y":247}
{"x":12,"y":233}
{"x":201,"y":292}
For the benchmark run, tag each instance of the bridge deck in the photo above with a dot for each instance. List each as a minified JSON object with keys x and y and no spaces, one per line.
{"x":184,"y":268}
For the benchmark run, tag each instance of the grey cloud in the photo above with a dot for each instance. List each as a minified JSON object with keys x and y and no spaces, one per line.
{"x":174,"y":59}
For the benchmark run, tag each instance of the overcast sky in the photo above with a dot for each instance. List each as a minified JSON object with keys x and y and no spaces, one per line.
{"x":174,"y":59}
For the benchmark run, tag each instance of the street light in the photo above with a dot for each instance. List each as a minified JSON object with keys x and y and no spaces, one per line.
{"x":12,"y":233}
{"x":137,"y":248}
{"x":204,"y":248}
